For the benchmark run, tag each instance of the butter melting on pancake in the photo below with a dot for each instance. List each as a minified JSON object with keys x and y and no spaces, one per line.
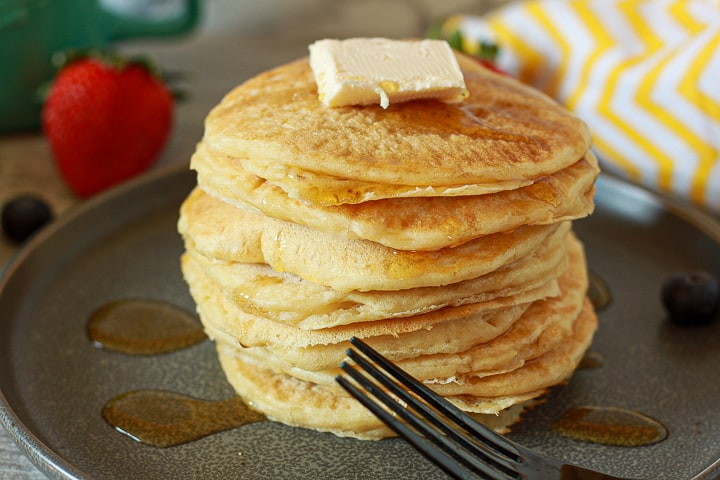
{"x":505,"y":133}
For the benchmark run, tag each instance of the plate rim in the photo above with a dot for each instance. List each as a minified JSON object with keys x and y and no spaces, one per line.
{"x":42,"y":456}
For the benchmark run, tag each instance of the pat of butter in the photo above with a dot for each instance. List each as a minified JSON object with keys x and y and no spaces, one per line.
{"x":364,"y":71}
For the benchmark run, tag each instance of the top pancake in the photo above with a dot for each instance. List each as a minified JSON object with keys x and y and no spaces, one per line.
{"x":504,"y":135}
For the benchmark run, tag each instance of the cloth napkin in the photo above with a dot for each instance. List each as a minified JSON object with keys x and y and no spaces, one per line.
{"x":643,"y":74}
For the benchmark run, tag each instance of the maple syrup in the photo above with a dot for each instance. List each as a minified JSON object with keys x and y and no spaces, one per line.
{"x":610,"y":426}
{"x":165,"y":419}
{"x":143,"y":327}
{"x":591,"y":360}
{"x":157,"y":417}
{"x":598,"y":292}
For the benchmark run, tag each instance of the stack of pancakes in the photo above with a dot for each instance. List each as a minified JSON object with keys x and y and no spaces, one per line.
{"x":439,"y":233}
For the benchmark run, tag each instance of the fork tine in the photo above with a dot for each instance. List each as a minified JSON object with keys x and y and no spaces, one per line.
{"x":456,"y":443}
{"x":447,"y":462}
{"x":472,"y":449}
{"x":457,"y":448}
{"x":451,"y":456}
{"x":479,"y":431}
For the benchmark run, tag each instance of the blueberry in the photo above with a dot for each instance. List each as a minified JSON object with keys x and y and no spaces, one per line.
{"x":24,"y":215}
{"x":691,"y":298}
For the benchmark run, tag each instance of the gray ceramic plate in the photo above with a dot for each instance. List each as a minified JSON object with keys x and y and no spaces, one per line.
{"x":54,"y":382}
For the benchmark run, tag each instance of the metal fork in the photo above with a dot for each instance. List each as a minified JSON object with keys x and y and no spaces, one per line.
{"x":458,"y":444}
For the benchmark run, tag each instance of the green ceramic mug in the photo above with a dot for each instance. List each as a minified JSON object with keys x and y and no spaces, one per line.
{"x":31,"y":31}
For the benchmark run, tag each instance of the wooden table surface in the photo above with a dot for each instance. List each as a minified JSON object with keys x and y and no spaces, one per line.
{"x":212,"y":62}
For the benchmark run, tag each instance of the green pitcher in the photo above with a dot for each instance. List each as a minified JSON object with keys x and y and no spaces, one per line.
{"x":31,"y":31}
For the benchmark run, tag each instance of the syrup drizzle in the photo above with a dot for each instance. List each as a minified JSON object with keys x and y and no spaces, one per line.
{"x":158,"y":417}
{"x":165,"y":419}
{"x":143,"y":327}
{"x":610,"y":426}
{"x":591,"y":360}
{"x":599,"y":292}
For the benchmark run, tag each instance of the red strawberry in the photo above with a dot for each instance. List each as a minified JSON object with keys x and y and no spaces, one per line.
{"x":106,"y":120}
{"x":490,"y":65}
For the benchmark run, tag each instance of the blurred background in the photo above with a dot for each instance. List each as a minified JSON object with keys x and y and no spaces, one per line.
{"x":237,"y":39}
{"x":642,"y":74}
{"x":229,"y":41}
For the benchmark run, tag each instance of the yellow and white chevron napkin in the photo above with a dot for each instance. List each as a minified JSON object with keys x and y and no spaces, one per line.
{"x":643,"y":74}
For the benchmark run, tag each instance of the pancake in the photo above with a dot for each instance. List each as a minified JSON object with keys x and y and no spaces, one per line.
{"x":540,"y":328}
{"x":408,"y":223}
{"x":550,"y":369}
{"x":505,"y":133}
{"x":349,"y":315}
{"x":289,"y":400}
{"x":218,"y":230}
{"x":330,"y":409}
{"x":439,"y":233}
{"x":327,"y":190}
{"x":287,"y":298}
{"x":529,"y":337}
{"x":448,"y":331}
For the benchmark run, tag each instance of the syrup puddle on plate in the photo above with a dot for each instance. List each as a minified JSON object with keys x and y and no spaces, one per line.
{"x":598,"y":292}
{"x":143,"y":327}
{"x":610,"y":426}
{"x":157,"y":417}
{"x":591,"y":360}
{"x":166,"y":419}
